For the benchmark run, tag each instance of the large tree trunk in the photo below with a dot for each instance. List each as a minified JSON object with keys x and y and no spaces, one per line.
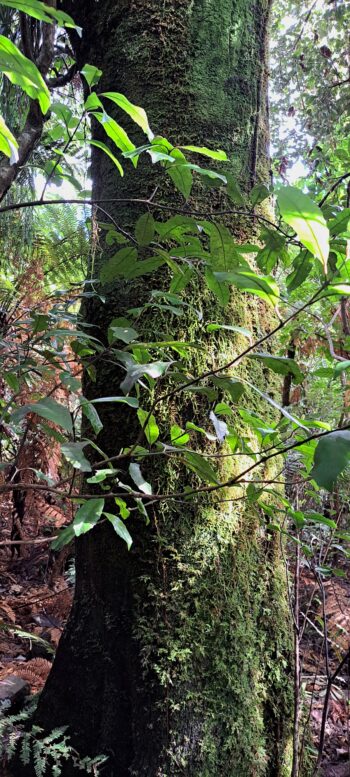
{"x":172,"y":660}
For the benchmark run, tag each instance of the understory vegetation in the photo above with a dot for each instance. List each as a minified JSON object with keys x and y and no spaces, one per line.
{"x":174,"y":384}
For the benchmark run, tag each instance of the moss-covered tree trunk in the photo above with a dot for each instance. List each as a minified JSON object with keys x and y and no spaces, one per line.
{"x":172,"y":662}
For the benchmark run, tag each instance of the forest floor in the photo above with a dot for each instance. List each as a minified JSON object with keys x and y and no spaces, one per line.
{"x":36,"y":590}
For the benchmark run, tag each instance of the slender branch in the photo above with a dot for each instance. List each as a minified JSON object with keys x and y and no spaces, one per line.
{"x":325,"y":710}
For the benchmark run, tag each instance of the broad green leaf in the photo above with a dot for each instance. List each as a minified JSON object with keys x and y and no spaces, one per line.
{"x":90,"y":412}
{"x":280,"y":364}
{"x":118,"y":265}
{"x":240,"y":330}
{"x":261,"y":285}
{"x":93,"y":103}
{"x":259,"y":193}
{"x":319,"y":518}
{"x":101,"y":475}
{"x":332,"y":455}
{"x":208,"y":173}
{"x":178,"y":436}
{"x":137,"y":476}
{"x":116,"y":133}
{"x":136,"y":371}
{"x":223,"y":251}
{"x":219,"y":155}
{"x":46,"y":408}
{"x":341,"y":367}
{"x":73,"y":452}
{"x":87,"y":516}
{"x":125,"y":334}
{"x":219,"y":288}
{"x":145,"y":229}
{"x":107,"y":151}
{"x":233,"y":387}
{"x":131,"y":401}
{"x":143,"y":268}
{"x":273,"y":251}
{"x":41,"y":11}
{"x":307,"y":219}
{"x":149,"y":425}
{"x":12,"y":381}
{"x":120,"y":528}
{"x":233,"y":190}
{"x":137,"y":114}
{"x":341,"y":223}
{"x":22,"y":71}
{"x":200,"y":465}
{"x":64,"y":538}
{"x":8,"y":143}
{"x":180,"y":174}
{"x":91,"y":74}
{"x":302,"y":268}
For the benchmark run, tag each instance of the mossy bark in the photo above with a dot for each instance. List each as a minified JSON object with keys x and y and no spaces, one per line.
{"x":174,"y":660}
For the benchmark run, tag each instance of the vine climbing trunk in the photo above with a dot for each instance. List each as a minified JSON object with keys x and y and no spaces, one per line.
{"x":173,"y":659}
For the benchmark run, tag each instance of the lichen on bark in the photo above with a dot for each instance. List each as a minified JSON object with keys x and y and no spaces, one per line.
{"x":175,"y":658}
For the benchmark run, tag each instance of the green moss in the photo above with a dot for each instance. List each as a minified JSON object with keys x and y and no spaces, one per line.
{"x":205,"y":583}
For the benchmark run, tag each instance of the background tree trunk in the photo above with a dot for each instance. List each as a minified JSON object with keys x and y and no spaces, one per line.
{"x":174,"y":658}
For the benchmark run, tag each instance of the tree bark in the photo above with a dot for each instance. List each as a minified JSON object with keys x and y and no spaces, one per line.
{"x":173,"y":659}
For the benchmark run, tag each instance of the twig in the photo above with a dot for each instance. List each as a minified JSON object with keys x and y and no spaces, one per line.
{"x":325,"y":710}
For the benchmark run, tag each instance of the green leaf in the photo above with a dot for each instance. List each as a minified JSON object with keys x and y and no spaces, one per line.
{"x":137,"y":476}
{"x":151,"y":430}
{"x":273,"y":251}
{"x":73,"y":452}
{"x":101,"y":475}
{"x":261,"y":285}
{"x":87,"y":516}
{"x":136,"y":371}
{"x":91,"y":74}
{"x":126,"y":334}
{"x":306,"y":218}
{"x":131,"y":401}
{"x":8,"y":143}
{"x":302,"y":267}
{"x":64,"y":538}
{"x":341,"y":223}
{"x":180,"y":175}
{"x":178,"y":436}
{"x":240,"y":330}
{"x":137,"y":114}
{"x":46,"y":408}
{"x":145,"y":229}
{"x":219,"y":155}
{"x":233,"y":387}
{"x":120,"y":528}
{"x":220,"y":289}
{"x":106,"y":150}
{"x":118,"y":265}
{"x":319,"y":518}
{"x":41,"y":11}
{"x":92,"y":415}
{"x":202,"y":468}
{"x":22,"y":71}
{"x":259,"y":193}
{"x":280,"y":364}
{"x":208,"y":173}
{"x":116,"y":133}
{"x":233,"y":190}
{"x":341,"y":367}
{"x":332,"y":455}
